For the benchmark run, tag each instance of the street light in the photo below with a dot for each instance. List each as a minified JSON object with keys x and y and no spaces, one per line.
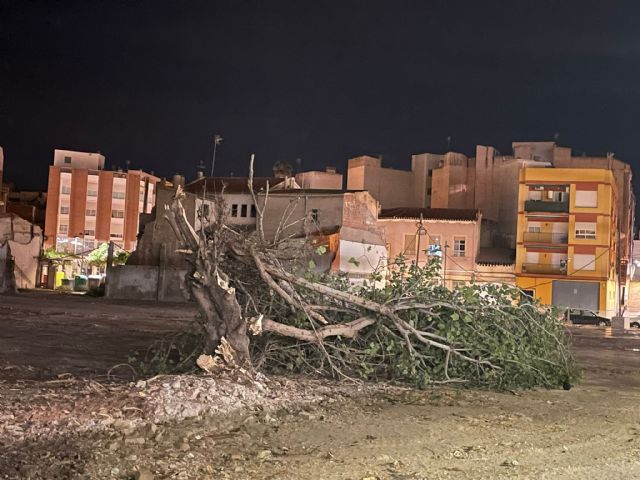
{"x":81,"y":234}
{"x":217,"y":140}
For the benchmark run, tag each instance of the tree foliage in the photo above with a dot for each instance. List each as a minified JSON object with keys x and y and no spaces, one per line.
{"x":261,"y":296}
{"x":98,"y":256}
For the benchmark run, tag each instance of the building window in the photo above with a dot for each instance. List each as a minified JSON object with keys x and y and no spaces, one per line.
{"x":63,"y":229}
{"x":90,"y":233}
{"x":65,"y":190}
{"x":91,"y":213}
{"x":92,"y":193}
{"x":253,"y":211}
{"x":586,"y":230}
{"x":67,"y":159}
{"x":120,"y":195}
{"x":204,"y":211}
{"x":534,"y":229}
{"x":409,"y":244}
{"x":234,"y":210}
{"x":586,"y":198}
{"x":64,"y":210}
{"x":117,"y":213}
{"x":243,"y":211}
{"x":116,"y":235}
{"x":314,"y":214}
{"x":584,"y":262}
{"x":459,"y":246}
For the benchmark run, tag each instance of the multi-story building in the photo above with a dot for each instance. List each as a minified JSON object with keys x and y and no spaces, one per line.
{"x":3,"y":190}
{"x":88,"y":205}
{"x":567,"y":237}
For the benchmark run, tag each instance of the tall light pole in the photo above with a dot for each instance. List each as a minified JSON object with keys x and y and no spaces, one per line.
{"x":217,"y":140}
{"x":419,"y":233}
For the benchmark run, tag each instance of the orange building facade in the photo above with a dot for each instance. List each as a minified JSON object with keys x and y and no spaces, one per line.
{"x":88,"y":205}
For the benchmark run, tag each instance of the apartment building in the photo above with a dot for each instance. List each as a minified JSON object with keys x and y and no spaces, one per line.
{"x":567,"y":237}
{"x":4,"y":192}
{"x":88,"y":205}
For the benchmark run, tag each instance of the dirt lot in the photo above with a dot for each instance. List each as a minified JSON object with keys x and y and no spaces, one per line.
{"x":78,"y":425}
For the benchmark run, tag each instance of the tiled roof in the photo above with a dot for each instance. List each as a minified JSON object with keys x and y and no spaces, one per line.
{"x":230,"y":184}
{"x":430,"y":213}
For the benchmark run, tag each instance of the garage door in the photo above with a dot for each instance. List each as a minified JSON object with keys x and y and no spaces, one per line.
{"x":576,"y":294}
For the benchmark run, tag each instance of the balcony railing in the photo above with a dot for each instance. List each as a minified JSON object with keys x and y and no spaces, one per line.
{"x":546,"y":237}
{"x":545,"y":206}
{"x":544,"y":268}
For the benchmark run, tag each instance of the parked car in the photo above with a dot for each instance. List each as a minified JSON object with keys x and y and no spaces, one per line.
{"x":585,"y":317}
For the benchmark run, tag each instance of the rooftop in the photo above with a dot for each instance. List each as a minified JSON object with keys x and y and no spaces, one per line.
{"x":230,"y":184}
{"x":431,"y":213}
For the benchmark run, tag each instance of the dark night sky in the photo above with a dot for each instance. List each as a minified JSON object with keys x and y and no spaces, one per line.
{"x":150,"y":82}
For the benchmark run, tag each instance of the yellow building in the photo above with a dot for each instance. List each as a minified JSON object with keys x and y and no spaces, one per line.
{"x":567,"y":237}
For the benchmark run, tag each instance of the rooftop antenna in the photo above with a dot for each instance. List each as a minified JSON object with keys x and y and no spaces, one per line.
{"x":128,"y":163}
{"x":448,"y":142}
{"x":556,"y":136}
{"x":299,"y":164}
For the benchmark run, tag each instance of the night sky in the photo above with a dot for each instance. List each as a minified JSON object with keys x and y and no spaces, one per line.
{"x":150,"y":82}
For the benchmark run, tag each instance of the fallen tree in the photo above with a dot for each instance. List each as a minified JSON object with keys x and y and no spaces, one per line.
{"x":261,"y":297}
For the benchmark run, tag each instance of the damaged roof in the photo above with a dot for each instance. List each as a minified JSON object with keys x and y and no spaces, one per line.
{"x":431,"y":213}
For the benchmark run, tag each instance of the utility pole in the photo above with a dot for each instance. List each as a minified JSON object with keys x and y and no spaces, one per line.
{"x":419,"y":232}
{"x":444,"y":265}
{"x":217,"y":140}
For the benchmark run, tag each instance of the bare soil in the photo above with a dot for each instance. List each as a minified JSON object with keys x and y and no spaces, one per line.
{"x":61,"y":417}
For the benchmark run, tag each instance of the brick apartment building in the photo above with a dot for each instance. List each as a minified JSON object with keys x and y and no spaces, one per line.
{"x":88,"y":205}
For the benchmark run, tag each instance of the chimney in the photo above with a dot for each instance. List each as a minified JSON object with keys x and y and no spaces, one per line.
{"x":330,"y":169}
{"x":199,"y":174}
{"x":178,"y":180}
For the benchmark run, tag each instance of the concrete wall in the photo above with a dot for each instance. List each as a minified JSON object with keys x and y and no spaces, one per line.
{"x":21,"y":242}
{"x":391,"y":187}
{"x":320,"y":180}
{"x":86,"y":160}
{"x":146,"y":282}
{"x":298,"y":206}
{"x":458,"y":268}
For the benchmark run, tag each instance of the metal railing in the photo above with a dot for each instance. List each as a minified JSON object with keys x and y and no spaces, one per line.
{"x":544,"y":268}
{"x":545,"y":237}
{"x":545,"y":206}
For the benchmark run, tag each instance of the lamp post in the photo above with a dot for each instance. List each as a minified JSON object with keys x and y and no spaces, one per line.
{"x":419,"y":232}
{"x":81,"y":234}
{"x":217,"y":140}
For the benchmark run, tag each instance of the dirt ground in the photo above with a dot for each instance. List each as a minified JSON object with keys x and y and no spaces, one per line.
{"x":61,"y":418}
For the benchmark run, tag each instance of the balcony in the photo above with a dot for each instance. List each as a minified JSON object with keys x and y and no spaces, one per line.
{"x":546,"y":237}
{"x":545,"y":206}
{"x":544,"y":268}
